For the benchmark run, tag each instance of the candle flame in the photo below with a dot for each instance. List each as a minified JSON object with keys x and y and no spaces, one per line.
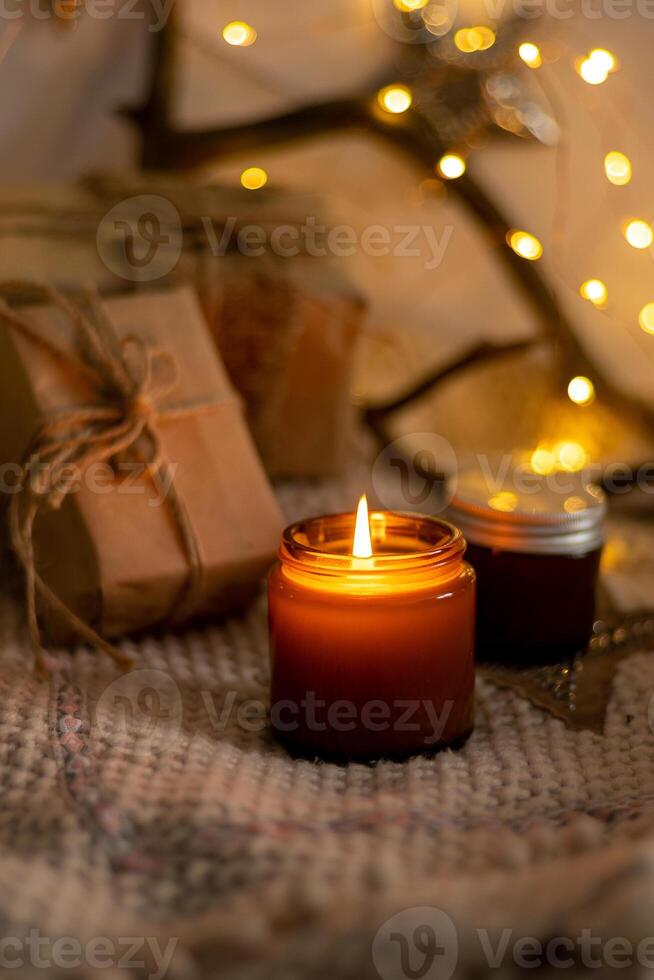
{"x":362,"y":545}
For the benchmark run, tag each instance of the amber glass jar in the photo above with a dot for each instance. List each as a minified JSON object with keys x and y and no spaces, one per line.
{"x":372,"y":657}
{"x":536,"y":551}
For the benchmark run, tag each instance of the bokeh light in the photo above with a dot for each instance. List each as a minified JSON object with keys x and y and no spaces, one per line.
{"x":254,"y":178}
{"x":525,"y":245}
{"x":451,"y":166}
{"x":395,"y":98}
{"x":542,"y":461}
{"x":471,"y":39}
{"x":617,"y":167}
{"x":581,"y":390}
{"x":530,"y":54}
{"x":505,"y":501}
{"x":604,"y":59}
{"x":646,"y":318}
{"x":639,"y":234}
{"x":570,"y":456}
{"x":592,"y":72}
{"x":595,"y":291}
{"x":239,"y":34}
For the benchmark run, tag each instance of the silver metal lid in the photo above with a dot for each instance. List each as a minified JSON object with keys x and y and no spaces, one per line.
{"x":560,"y":514}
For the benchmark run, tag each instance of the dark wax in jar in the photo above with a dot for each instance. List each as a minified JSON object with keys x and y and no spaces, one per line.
{"x":535,"y":546}
{"x":545,"y":614}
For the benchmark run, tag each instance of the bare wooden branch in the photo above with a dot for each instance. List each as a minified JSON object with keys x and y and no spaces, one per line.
{"x":413,"y":135}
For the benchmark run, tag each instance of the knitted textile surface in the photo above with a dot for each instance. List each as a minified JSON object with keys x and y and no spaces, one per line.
{"x":156,"y":804}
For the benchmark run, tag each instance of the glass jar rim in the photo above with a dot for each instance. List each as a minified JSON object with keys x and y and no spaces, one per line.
{"x":446,"y":547}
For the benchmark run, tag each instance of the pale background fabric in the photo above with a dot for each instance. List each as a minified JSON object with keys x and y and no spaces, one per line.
{"x":56,"y":121}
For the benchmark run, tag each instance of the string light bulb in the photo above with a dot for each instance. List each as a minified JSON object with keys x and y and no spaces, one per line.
{"x":395,"y":98}
{"x":530,"y":54}
{"x":525,"y":245}
{"x":570,"y":456}
{"x":542,"y":461}
{"x":451,"y":165}
{"x":596,"y":67}
{"x":639,"y":234}
{"x":239,"y":34}
{"x":603,"y":59}
{"x":471,"y":39}
{"x":592,"y":72}
{"x":617,"y":167}
{"x":646,"y":318}
{"x":254,"y":178}
{"x":581,"y":391}
{"x":437,"y":20}
{"x":595,"y":291}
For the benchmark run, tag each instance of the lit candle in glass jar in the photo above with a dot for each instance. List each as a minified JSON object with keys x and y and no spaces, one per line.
{"x":372,"y":635}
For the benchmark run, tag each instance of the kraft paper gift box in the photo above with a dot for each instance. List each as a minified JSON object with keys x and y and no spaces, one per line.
{"x":114,"y":552}
{"x":288,"y":335}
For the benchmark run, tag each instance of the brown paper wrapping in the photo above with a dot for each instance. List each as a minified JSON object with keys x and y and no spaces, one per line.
{"x":288,"y":337}
{"x":114,"y":555}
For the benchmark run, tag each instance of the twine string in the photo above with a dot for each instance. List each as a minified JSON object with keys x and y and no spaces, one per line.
{"x":73,"y":440}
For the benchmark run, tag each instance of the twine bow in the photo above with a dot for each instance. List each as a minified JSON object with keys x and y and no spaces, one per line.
{"x":71,"y":441}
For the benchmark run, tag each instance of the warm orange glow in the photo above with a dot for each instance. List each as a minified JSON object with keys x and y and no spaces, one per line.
{"x":525,"y":245}
{"x":505,"y":501}
{"x":581,"y":391}
{"x":617,"y":167}
{"x":530,"y":54}
{"x":362,"y":545}
{"x":451,"y":165}
{"x":592,"y":72}
{"x":595,"y":291}
{"x":570,"y":456}
{"x":604,"y":59}
{"x":639,"y":234}
{"x":395,"y":98}
{"x":408,"y":6}
{"x":646,"y":318}
{"x":254,"y":178}
{"x":239,"y":34}
{"x":542,"y":461}
{"x":474,"y":39}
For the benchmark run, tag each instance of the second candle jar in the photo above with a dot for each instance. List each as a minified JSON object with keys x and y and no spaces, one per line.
{"x":536,"y":549}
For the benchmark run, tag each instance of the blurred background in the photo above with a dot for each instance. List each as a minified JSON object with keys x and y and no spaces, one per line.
{"x":520,"y":103}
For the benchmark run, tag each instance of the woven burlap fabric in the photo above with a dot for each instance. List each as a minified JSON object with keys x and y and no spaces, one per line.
{"x":176,"y":816}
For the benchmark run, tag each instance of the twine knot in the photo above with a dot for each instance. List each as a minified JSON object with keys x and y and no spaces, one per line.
{"x":141,"y":407}
{"x":123,"y":372}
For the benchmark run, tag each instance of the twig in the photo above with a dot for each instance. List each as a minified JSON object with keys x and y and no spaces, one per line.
{"x":376,"y":416}
{"x":410,"y":133}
